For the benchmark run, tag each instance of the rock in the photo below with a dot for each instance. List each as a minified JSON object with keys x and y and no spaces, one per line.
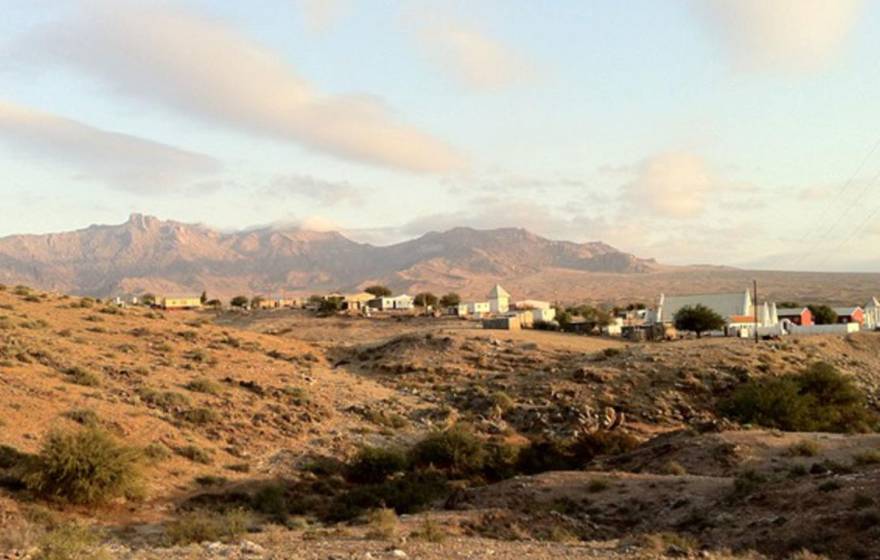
{"x":397,"y":553}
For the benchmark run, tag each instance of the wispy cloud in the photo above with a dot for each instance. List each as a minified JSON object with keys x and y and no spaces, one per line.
{"x":322,"y":191}
{"x":786,"y":35}
{"x":320,"y":15}
{"x":673,"y":185}
{"x":472,"y":57}
{"x":182,"y":61}
{"x":119,"y":160}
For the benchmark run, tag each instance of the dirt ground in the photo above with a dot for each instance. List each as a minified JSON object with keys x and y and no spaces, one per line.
{"x":249,"y":398}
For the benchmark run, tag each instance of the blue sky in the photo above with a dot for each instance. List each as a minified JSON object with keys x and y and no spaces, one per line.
{"x":738,"y":132}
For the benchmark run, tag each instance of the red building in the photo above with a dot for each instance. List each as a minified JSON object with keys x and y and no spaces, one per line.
{"x":850,"y":315}
{"x":798,"y":315}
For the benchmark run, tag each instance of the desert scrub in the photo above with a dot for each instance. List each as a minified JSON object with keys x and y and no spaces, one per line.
{"x":203,"y":385}
{"x":69,"y":542}
{"x":456,"y":450}
{"x":373,"y":465}
{"x":86,"y":467}
{"x":80,"y":376}
{"x":200,"y":526}
{"x":157,"y":451}
{"x":83,"y":416}
{"x":596,"y":485}
{"x":383,"y":523}
{"x":819,"y":399}
{"x":869,"y":457}
{"x":200,"y":416}
{"x":803,"y":448}
{"x":162,"y":399}
{"x":195,"y":454}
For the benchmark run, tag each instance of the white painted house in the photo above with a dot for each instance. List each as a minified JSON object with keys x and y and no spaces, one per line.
{"x":872,"y":314}
{"x":499,"y":300}
{"x":736,"y":308}
{"x":399,"y":303}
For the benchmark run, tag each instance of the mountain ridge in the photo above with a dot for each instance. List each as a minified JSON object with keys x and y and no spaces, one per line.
{"x":148,"y":254}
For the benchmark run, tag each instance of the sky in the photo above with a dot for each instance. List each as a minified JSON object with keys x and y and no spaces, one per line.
{"x":730,"y":132}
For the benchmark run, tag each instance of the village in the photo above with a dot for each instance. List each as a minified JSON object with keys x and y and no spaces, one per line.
{"x":734,"y":314}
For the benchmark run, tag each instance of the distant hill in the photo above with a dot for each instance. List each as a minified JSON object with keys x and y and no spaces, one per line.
{"x":148,"y":254}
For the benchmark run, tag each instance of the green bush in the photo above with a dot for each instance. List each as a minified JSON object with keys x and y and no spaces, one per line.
{"x":544,"y":455}
{"x":203,"y":385}
{"x":83,"y":416}
{"x":456,"y":450}
{"x":374,"y":465}
{"x":820,"y":399}
{"x":68,"y":542}
{"x":83,"y":467}
{"x":200,"y":416}
{"x":407,"y":494}
{"x":271,"y":500}
{"x":194,"y":454}
{"x":601,"y":442}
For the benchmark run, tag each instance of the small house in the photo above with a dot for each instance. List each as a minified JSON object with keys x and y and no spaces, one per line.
{"x":503,"y":323}
{"x":356,"y":302}
{"x":392,"y":303}
{"x":478,"y":308}
{"x":850,"y":315}
{"x":543,"y":315}
{"x":801,"y":316}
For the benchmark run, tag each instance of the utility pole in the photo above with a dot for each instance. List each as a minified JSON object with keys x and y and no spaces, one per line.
{"x":755,"y":306}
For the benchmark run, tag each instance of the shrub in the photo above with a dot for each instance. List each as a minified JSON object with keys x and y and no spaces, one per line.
{"x":374,"y":465}
{"x":747,"y":483}
{"x":271,"y":500}
{"x":598,"y":485}
{"x":819,"y":399}
{"x":804,"y":448}
{"x":194,"y":454}
{"x":82,"y":377}
{"x":162,"y":399}
{"x":383,"y":524}
{"x":203,"y":385}
{"x":157,"y":451}
{"x":544,"y":455}
{"x":870,"y":457}
{"x":200,"y":416}
{"x":68,"y":542}
{"x":200,"y":526}
{"x":84,"y":467}
{"x":456,"y":450}
{"x":84,"y":416}
{"x":673,"y":468}
{"x":407,"y":494}
{"x":430,"y":531}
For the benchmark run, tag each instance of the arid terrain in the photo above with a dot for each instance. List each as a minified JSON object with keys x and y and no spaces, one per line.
{"x":251,"y":428}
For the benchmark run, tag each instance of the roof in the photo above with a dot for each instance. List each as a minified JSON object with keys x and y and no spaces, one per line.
{"x":873,"y":303}
{"x":790,"y":311}
{"x":533,"y":303}
{"x":498,"y":292}
{"x":726,"y":305}
{"x":847,"y":310}
{"x":734,"y":319}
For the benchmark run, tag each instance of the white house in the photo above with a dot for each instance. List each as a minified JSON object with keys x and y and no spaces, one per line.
{"x":543,"y":315}
{"x":872,"y":314}
{"x":499,"y":300}
{"x":387,"y":303}
{"x":478,"y":307}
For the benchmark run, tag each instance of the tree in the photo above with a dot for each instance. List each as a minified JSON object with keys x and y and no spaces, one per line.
{"x":822,"y":314}
{"x":698,"y":319}
{"x":592,"y":314}
{"x":450,"y":300}
{"x":330,"y":305}
{"x":204,"y":297}
{"x":256,"y":301}
{"x":239,"y":301}
{"x":425,"y":299}
{"x":215,"y":303}
{"x":148,"y":299}
{"x":378,"y":291}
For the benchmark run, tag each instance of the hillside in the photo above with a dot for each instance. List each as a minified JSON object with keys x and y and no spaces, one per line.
{"x":232,"y":406}
{"x":147,"y":254}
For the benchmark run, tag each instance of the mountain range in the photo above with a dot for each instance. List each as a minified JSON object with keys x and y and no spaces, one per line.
{"x":146,"y":254}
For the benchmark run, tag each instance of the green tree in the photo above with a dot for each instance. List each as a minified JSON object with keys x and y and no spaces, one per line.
{"x":148,"y":299}
{"x":330,"y":305}
{"x":378,"y":290}
{"x":204,"y":297}
{"x":822,"y":314}
{"x":698,"y":319}
{"x":425,"y":299}
{"x":239,"y":301}
{"x":450,"y":300}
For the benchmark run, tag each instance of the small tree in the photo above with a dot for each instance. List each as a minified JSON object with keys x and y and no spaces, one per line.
{"x":450,"y":300}
{"x":239,"y":301}
{"x":256,"y":301}
{"x":148,"y":299}
{"x":822,"y":314}
{"x":330,"y":305}
{"x":204,"y":297}
{"x":378,"y":291}
{"x":425,"y":299}
{"x":699,"y":319}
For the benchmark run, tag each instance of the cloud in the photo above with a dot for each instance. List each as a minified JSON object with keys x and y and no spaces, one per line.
{"x":673,"y":185}
{"x":327,"y":193}
{"x":473,"y":58}
{"x":320,"y":15}
{"x":800,"y":35}
{"x":121,"y":161}
{"x":203,"y":68}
